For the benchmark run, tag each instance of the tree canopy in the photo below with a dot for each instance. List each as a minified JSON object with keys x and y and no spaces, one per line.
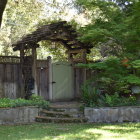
{"x":2,"y":7}
{"x":114,"y":25}
{"x":19,"y":19}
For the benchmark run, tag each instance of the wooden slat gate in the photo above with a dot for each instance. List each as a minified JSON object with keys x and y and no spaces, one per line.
{"x":43,"y":78}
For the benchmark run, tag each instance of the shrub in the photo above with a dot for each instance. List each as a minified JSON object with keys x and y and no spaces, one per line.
{"x":36,"y":98}
{"x":116,"y":100}
{"x":33,"y":101}
{"x":112,"y":76}
{"x":5,"y":102}
{"x":92,"y":97}
{"x":39,"y":101}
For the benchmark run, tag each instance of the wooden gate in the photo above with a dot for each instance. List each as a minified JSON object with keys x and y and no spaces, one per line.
{"x":43,"y":78}
{"x":60,"y":81}
{"x":63,"y":82}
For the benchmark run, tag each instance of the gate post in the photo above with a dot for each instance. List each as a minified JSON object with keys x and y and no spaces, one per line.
{"x":34,"y":73}
{"x":50,"y":78}
{"x":21,"y":72}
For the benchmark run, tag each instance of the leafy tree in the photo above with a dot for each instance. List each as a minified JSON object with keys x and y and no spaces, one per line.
{"x":2,"y":7}
{"x":28,"y":15}
{"x":115,"y":21}
{"x":18,"y":21}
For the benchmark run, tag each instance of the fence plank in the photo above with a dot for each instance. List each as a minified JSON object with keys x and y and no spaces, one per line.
{"x":1,"y":81}
{"x":10,"y":78}
{"x":79,"y":74}
{"x":43,"y":78}
{"x":43,"y":85}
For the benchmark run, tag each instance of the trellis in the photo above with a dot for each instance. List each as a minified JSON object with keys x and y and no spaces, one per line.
{"x":57,"y":32}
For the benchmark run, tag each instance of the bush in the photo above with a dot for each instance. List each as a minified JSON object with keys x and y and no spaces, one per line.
{"x":116,"y":100}
{"x":5,"y":102}
{"x":39,"y":101}
{"x":92,"y":97}
{"x":33,"y":101}
{"x":112,"y":76}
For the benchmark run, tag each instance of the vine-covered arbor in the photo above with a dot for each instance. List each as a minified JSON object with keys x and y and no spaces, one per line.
{"x":56,"y":32}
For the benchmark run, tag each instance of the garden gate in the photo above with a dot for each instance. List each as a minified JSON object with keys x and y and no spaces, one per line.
{"x":62,"y":81}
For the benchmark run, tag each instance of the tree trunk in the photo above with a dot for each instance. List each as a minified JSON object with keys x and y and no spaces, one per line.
{"x":2,"y":7}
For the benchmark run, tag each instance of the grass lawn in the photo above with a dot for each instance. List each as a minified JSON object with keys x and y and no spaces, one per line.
{"x":125,"y":131}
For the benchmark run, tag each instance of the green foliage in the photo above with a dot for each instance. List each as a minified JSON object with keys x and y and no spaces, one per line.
{"x":92,"y":97}
{"x":20,"y":18}
{"x":34,"y":101}
{"x":36,"y":98}
{"x":112,"y":83}
{"x":39,"y":101}
{"x":109,"y":73}
{"x":132,"y":79}
{"x":5,"y":102}
{"x":112,"y":64}
{"x":116,"y":100}
{"x":114,"y":26}
{"x":136,"y":64}
{"x":116,"y":20}
{"x":113,"y":77}
{"x":24,"y":16}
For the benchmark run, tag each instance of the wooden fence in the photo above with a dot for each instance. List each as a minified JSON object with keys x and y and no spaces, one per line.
{"x":80,"y":75}
{"x":10,"y":77}
{"x":11,"y":82}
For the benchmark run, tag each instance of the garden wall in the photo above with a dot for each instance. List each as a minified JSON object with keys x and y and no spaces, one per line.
{"x":112,"y":114}
{"x":19,"y":115}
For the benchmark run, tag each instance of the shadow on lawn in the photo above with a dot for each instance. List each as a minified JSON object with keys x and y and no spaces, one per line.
{"x":48,"y":132}
{"x":121,"y":128}
{"x":60,"y":131}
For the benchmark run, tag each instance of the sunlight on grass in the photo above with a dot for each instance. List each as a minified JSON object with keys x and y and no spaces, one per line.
{"x":127,"y":131}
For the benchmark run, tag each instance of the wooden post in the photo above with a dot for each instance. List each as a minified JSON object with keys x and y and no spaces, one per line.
{"x":50,"y":78}
{"x":34,"y":72}
{"x":21,"y":71}
{"x":84,"y":61}
{"x":70,"y":58}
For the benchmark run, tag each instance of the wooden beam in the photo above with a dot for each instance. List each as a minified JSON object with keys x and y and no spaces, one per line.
{"x":76,"y":51}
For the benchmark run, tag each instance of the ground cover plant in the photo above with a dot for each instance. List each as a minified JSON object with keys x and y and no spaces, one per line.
{"x":33,"y":101}
{"x":125,"y":131}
